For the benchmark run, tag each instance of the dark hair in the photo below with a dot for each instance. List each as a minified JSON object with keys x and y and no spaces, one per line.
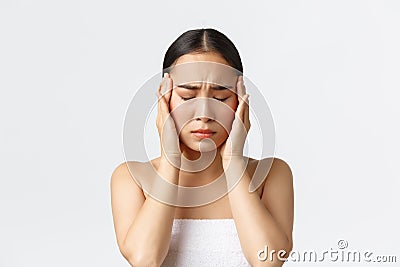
{"x":203,"y":41}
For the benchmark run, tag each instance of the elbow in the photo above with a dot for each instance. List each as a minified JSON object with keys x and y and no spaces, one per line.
{"x":289,"y":246}
{"x":139,"y":258}
{"x":273,"y":256}
{"x":282,"y":252}
{"x":136,"y":261}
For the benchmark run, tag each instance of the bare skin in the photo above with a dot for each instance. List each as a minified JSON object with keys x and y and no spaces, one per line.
{"x":219,"y":209}
{"x":264,"y":217}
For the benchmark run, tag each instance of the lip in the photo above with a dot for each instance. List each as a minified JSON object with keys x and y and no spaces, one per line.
{"x":203,"y":133}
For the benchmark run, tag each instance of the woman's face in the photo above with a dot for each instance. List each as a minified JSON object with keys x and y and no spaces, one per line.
{"x":203,"y":126}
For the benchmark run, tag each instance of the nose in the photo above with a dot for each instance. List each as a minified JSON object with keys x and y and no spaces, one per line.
{"x":203,"y":110}
{"x":203,"y":119}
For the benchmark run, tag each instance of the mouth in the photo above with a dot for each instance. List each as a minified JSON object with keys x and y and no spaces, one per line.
{"x":203,"y":133}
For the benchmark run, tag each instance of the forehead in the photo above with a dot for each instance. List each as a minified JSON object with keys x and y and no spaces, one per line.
{"x":204,"y":72}
{"x":208,"y":56}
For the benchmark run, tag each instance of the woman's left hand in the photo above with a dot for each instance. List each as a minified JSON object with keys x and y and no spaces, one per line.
{"x":232,"y":148}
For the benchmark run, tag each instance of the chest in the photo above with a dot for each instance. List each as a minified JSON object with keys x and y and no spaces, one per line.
{"x":219,"y":209}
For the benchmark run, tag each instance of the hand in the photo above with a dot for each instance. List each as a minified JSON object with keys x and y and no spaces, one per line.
{"x":169,"y":140}
{"x":233,"y":146}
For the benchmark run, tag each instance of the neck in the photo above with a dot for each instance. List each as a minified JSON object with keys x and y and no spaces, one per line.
{"x":202,"y":175}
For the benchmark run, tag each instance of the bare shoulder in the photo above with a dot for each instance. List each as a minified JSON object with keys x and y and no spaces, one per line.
{"x":122,"y":170}
{"x":282,"y":167}
{"x":279,"y":179}
{"x":274,"y":164}
{"x":131,"y":173}
{"x":122,"y":177}
{"x":269,"y":169}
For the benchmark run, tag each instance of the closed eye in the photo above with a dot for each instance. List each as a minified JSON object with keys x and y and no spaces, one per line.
{"x":186,"y":98}
{"x":219,"y":99}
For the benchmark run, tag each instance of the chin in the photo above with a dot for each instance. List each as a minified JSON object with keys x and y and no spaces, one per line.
{"x":207,"y":145}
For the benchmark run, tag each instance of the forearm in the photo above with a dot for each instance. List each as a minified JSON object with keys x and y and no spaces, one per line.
{"x":255,"y":225}
{"x":147,"y":240}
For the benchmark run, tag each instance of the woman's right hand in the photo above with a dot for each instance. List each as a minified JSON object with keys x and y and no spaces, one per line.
{"x":169,"y":139}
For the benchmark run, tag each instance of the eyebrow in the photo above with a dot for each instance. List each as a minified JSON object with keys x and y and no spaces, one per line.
{"x":197,"y":87}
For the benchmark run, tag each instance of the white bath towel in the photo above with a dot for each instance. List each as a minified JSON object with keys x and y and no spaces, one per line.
{"x":203,"y":243}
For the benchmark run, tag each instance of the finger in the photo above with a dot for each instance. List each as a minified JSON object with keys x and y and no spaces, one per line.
{"x":158,"y":105}
{"x":247,"y":111}
{"x":158,"y":91}
{"x":164,"y":84}
{"x":158,"y":118}
{"x":169,"y":86}
{"x":243,"y":89}
{"x":246,"y":102}
{"x":245,"y":99}
{"x":240,"y":87}
{"x":241,"y":109}
{"x":164,"y":106}
{"x":161,"y":92}
{"x":243,"y":85}
{"x":161,"y":104}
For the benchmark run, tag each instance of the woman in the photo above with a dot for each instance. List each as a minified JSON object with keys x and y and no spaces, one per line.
{"x":146,"y":227}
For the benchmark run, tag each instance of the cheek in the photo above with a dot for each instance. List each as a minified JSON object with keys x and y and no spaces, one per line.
{"x":233,"y":104}
{"x":178,"y":112}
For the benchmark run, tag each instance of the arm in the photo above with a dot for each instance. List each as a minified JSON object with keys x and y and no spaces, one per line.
{"x":143,"y":226}
{"x":267,"y":221}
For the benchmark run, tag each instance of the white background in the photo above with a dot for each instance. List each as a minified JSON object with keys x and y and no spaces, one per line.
{"x":68,"y":70}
